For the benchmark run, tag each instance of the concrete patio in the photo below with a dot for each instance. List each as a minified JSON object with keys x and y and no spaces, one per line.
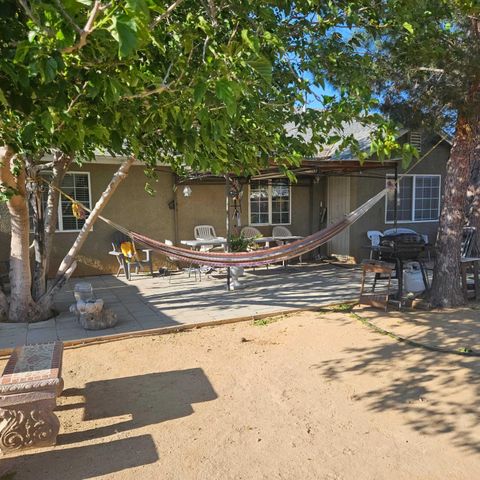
{"x":150,"y":303}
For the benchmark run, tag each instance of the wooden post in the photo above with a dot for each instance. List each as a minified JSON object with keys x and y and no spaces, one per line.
{"x":395,"y":199}
{"x":227,"y":223}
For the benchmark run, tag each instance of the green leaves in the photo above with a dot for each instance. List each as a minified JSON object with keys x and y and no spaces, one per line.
{"x":7,"y":192}
{"x":124,"y":30}
{"x":263,"y":67}
{"x":226,"y":91}
{"x":408,"y":27}
{"x":199,"y":92}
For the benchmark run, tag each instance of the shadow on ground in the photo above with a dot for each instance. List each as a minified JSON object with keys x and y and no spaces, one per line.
{"x":89,"y":461}
{"x":134,"y":402}
{"x":437,"y":393}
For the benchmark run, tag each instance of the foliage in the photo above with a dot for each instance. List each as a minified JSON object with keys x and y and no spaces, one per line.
{"x":263,"y":322}
{"x":200,"y":86}
{"x":425,"y":57}
{"x":204,"y":86}
{"x":240,"y":243}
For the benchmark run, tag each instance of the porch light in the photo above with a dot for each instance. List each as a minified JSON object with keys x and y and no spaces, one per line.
{"x":187,"y":191}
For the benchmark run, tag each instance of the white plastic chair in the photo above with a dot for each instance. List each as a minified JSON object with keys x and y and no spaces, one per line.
{"x":374,"y":236}
{"x":204,"y":232}
{"x":250,"y":232}
{"x":281,"y":231}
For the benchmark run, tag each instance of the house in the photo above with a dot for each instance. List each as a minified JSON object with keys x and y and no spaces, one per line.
{"x":327,"y":188}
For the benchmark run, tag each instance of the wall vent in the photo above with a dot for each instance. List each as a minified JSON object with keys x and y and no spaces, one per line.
{"x":415,"y":139}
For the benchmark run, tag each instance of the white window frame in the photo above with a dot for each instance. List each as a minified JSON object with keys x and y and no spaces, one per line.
{"x":270,"y":205}
{"x":59,"y":214}
{"x":390,"y":176}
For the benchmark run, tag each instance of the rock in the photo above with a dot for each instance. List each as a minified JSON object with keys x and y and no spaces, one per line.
{"x":90,"y":312}
{"x":106,"y":318}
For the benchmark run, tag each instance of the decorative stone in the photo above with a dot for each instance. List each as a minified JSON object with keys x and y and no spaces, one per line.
{"x":90,"y":312}
{"x":106,"y":318}
{"x":29,"y":386}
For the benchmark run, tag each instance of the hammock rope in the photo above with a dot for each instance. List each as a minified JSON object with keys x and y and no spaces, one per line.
{"x":256,"y":257}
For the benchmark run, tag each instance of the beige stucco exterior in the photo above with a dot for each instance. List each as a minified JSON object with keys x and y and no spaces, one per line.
{"x":363,"y":189}
{"x":153,"y":216}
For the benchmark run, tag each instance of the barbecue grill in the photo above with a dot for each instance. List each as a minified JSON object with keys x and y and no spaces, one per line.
{"x":402,"y":246}
{"x":399,"y":248}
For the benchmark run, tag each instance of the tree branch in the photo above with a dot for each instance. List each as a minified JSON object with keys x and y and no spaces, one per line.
{"x":68,"y":263}
{"x":166,"y":13}
{"x":87,"y":29}
{"x":147,"y":93}
{"x":68,"y":17}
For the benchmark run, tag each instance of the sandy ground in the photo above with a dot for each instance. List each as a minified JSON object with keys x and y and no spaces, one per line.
{"x":310,"y":396}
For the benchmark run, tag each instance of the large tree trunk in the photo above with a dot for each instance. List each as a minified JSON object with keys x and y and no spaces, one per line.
{"x":446,"y":287}
{"x":45,"y":218}
{"x":472,"y":208}
{"x":21,"y":308}
{"x":3,"y":306}
{"x":68,"y":264}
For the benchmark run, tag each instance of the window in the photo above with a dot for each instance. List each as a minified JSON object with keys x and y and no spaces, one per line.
{"x":418,"y":199}
{"x":77,"y":186}
{"x":270,"y":202}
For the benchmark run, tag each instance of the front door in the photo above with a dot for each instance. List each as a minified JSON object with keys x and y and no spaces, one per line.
{"x":338,"y":205}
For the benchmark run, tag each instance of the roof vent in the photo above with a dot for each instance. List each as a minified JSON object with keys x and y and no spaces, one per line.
{"x":415,"y":139}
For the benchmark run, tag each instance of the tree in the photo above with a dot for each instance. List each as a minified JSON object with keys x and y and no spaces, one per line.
{"x":426,"y":69}
{"x":204,"y":85}
{"x":440,"y":57}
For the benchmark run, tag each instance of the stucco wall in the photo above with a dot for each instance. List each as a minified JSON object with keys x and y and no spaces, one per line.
{"x":130,"y":206}
{"x":206,"y":206}
{"x":364,"y":188}
{"x":133,"y":208}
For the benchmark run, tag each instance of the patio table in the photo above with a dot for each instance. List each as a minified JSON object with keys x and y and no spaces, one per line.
{"x":284,"y":239}
{"x":197,"y":244}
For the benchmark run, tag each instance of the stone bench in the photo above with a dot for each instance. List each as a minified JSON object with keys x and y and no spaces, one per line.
{"x":29,"y":387}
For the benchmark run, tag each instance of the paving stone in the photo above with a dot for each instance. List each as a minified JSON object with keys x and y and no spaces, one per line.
{"x":147,"y":302}
{"x":39,"y":325}
{"x":41,"y":335}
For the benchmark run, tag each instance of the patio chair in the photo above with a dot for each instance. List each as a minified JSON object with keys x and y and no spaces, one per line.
{"x":281,"y":231}
{"x":469,"y":242}
{"x":206,"y":232}
{"x":181,"y":266}
{"x":128,"y":256}
{"x":374,"y":236}
{"x":250,"y":232}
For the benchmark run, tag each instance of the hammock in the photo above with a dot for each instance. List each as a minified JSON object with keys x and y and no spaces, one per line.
{"x":264,"y":256}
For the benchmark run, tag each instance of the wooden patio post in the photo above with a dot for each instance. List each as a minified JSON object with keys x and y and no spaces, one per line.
{"x":227,"y":222}
{"x":395,"y":199}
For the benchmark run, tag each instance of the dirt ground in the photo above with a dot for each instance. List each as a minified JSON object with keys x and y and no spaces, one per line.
{"x":309,"y":396}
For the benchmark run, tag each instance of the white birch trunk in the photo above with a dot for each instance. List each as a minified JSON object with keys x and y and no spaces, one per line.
{"x":21,"y":307}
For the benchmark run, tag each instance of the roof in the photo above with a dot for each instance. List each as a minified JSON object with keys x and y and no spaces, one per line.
{"x":359,"y":131}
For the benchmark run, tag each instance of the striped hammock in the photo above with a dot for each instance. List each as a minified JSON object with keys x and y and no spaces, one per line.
{"x":262,"y":256}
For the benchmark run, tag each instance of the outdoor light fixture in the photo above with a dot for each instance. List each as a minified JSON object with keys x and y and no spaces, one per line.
{"x":187,"y":191}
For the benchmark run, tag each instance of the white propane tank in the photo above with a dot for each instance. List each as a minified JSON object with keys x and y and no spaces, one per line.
{"x":412,"y":278}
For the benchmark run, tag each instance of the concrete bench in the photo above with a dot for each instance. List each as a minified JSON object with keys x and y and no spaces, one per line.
{"x":29,"y":387}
